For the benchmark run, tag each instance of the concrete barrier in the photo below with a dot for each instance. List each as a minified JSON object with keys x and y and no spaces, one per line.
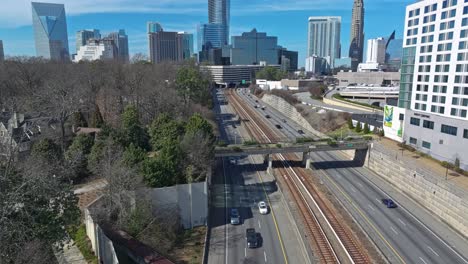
{"x":349,"y":105}
{"x":442,"y":198}
{"x":290,"y":112}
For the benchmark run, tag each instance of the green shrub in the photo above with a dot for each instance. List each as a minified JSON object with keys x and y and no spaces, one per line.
{"x":250,"y":143}
{"x":304,"y":140}
{"x":358,"y":127}
{"x":84,"y":245}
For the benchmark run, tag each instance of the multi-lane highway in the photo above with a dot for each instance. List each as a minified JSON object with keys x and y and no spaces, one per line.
{"x":408,"y":234}
{"x":241,"y":184}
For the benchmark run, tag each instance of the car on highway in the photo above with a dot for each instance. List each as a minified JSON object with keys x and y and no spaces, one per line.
{"x":256,"y":106}
{"x":251,"y":237}
{"x":300,"y":132}
{"x":256,"y":101}
{"x":263,"y":107}
{"x":235,"y":217}
{"x":278,"y":126}
{"x":232,"y":161}
{"x":389,"y":203}
{"x":284,"y":120}
{"x":262,"y":208}
{"x":268,"y":116}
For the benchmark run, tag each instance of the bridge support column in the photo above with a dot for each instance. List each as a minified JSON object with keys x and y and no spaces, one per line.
{"x":306,"y":161}
{"x":360,"y":156}
{"x":269,"y":161}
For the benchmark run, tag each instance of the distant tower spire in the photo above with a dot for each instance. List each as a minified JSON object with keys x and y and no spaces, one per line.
{"x":357,"y":34}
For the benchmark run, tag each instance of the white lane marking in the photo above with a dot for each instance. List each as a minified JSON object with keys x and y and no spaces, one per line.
{"x":370,"y":206}
{"x":264,"y":254}
{"x":225,"y":203}
{"x":360,"y":185}
{"x":393,"y":229}
{"x":401,"y":221}
{"x":259,"y":225}
{"x":422,"y":260}
{"x":433,"y":251}
{"x":245,"y":252}
{"x":352,"y":189}
{"x":377,"y":199}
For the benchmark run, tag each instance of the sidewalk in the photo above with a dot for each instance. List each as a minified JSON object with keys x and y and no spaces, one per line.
{"x":426,"y":164}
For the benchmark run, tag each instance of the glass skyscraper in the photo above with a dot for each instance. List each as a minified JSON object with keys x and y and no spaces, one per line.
{"x":82,"y":36}
{"x":154,"y":27}
{"x":121,"y":42}
{"x":210,"y":36}
{"x":2,"y":55}
{"x":253,"y":47}
{"x":50,"y":31}
{"x":219,"y":13}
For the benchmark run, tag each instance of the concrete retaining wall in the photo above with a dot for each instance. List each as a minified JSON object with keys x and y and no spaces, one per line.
{"x":348,"y":105}
{"x":442,"y":198}
{"x":290,"y":112}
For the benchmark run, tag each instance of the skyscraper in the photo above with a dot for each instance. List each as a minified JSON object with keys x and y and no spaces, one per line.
{"x":219,"y":13}
{"x":187,"y":44}
{"x":154,"y":27}
{"x":50,"y":31}
{"x":210,"y":36}
{"x":2,"y":55}
{"x":165,"y":46}
{"x":121,"y":42}
{"x":356,"y":48}
{"x":82,"y":36}
{"x":324,"y":38}
{"x":375,"y":51}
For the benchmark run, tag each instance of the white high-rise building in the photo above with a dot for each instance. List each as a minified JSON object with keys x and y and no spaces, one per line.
{"x":434,"y":79}
{"x":103,"y":49}
{"x":324,"y":38}
{"x":376,"y":51}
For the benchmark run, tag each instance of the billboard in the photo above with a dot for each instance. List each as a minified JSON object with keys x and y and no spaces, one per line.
{"x":393,"y":120}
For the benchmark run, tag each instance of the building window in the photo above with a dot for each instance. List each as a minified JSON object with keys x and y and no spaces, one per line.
{"x":415,"y":121}
{"x":465,"y":133}
{"x":428,"y":124}
{"x":413,"y":141}
{"x":449,"y":130}
{"x":402,"y":117}
{"x":426,"y":144}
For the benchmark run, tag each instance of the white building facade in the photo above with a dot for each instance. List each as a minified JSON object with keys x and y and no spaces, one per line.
{"x":324,"y":38}
{"x":96,"y":50}
{"x":316,"y":64}
{"x":376,"y":51}
{"x":434,"y":79}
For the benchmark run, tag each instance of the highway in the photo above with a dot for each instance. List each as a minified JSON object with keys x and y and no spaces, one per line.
{"x":242,"y":184}
{"x":408,"y":234}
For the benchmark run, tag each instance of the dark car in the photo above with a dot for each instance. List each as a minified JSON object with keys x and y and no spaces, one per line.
{"x":278,"y":126}
{"x":251,"y":237}
{"x":268,"y":116}
{"x":389,"y":203}
{"x":300,"y":132}
{"x":284,"y":120}
{"x":256,"y":101}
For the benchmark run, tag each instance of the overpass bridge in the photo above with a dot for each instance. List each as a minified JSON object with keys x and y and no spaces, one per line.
{"x":267,"y":150}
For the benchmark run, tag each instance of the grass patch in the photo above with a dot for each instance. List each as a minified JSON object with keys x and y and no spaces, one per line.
{"x":250,"y":143}
{"x":341,"y":98}
{"x":304,"y":140}
{"x":84,"y":244}
{"x":189,"y":246}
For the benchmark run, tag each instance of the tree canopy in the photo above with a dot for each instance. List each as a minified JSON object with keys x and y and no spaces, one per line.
{"x":271,"y":74}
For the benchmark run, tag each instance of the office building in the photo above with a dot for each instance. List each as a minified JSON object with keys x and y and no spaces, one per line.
{"x":121,"y":42}
{"x":187,"y":45}
{"x":82,"y":37}
{"x":2,"y":54}
{"x":376,"y":51}
{"x":324,"y":38}
{"x":165,"y":46}
{"x":253,"y":47}
{"x":434,"y":79}
{"x":288,"y":57}
{"x":154,"y":27}
{"x":343,"y":64}
{"x":316,"y":65}
{"x":394,"y":54}
{"x":50,"y":31}
{"x":357,"y":34}
{"x":219,"y":13}
{"x":97,"y":49}
{"x":210,"y":36}
{"x":233,"y":74}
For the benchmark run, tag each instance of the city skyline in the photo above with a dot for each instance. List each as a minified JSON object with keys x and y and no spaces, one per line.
{"x":292,"y":32}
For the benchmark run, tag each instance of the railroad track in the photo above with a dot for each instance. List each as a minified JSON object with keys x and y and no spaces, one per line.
{"x":296,"y":177}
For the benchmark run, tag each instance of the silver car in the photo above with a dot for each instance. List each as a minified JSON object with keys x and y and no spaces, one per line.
{"x":235,"y":217}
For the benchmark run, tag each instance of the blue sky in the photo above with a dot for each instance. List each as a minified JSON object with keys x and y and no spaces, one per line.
{"x":286,"y":19}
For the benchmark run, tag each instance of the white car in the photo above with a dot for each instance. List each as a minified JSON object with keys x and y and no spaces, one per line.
{"x":263,"y":208}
